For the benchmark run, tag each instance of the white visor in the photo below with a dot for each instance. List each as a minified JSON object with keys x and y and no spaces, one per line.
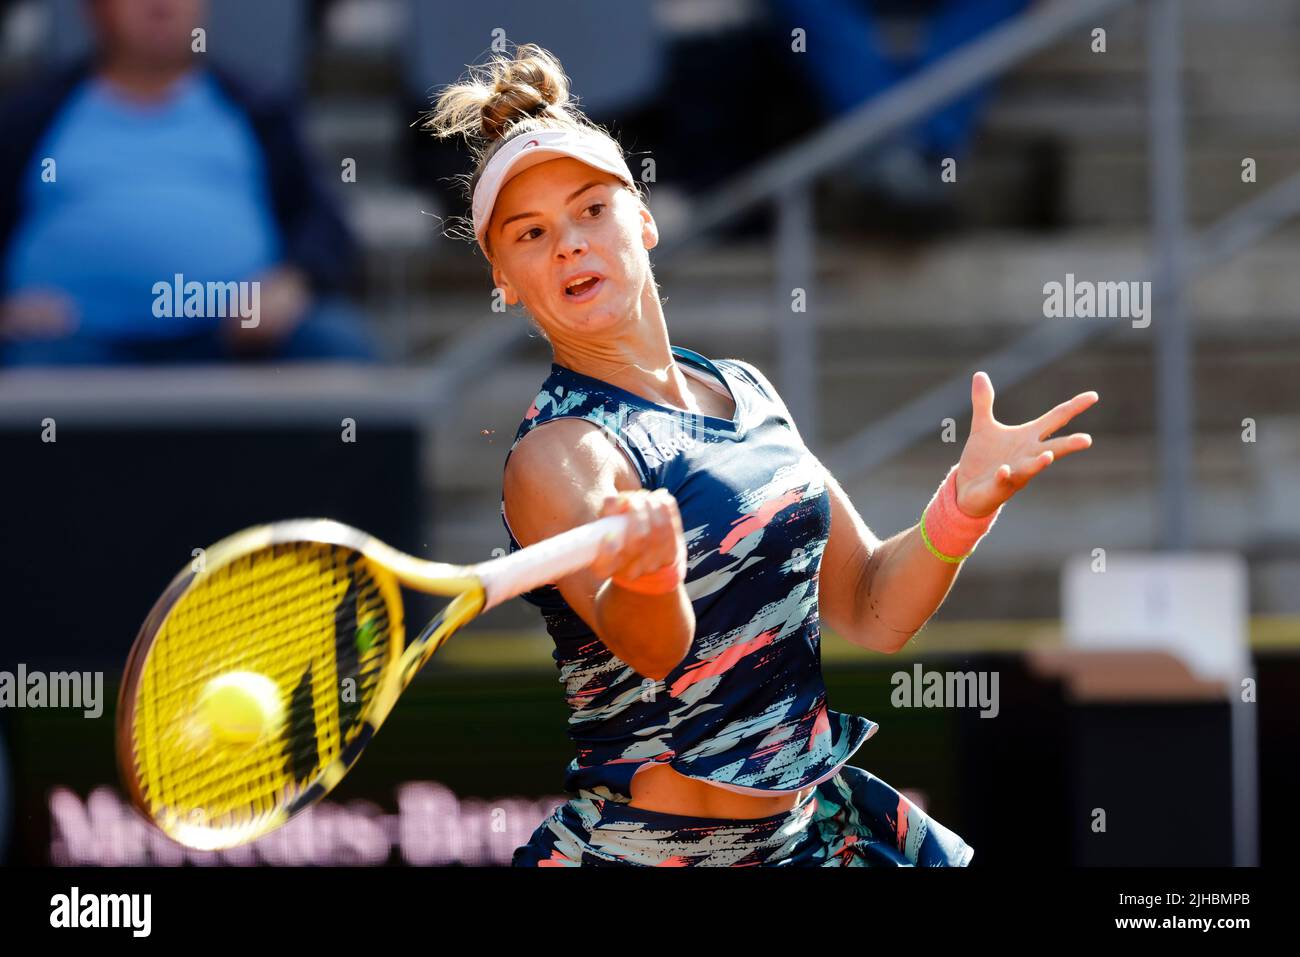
{"x":529,"y":149}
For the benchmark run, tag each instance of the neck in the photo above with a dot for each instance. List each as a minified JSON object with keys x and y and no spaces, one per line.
{"x":640,"y":361}
{"x":148,"y":83}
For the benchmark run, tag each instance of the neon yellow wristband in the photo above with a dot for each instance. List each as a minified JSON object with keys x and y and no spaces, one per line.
{"x":925,"y":537}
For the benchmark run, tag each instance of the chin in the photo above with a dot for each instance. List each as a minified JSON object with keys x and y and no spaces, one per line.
{"x":598,"y":315}
{"x":597,"y":320}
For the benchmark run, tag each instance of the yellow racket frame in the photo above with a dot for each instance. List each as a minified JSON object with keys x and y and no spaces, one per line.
{"x":150,"y":746}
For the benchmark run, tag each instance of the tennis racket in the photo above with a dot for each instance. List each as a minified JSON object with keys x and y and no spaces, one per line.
{"x":315,"y":607}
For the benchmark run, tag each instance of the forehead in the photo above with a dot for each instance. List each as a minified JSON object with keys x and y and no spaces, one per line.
{"x":546,"y":184}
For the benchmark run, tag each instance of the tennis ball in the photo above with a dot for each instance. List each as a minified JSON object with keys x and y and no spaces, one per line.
{"x":239,"y":707}
{"x":366,"y":634}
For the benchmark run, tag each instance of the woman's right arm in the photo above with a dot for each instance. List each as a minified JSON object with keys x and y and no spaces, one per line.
{"x":568,"y":473}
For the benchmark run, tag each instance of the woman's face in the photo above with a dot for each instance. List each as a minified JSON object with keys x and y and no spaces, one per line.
{"x":563,"y":219}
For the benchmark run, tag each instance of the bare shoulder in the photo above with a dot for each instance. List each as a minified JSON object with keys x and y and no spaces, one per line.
{"x":558,"y":475}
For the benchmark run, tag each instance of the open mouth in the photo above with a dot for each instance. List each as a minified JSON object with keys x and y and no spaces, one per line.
{"x":583,"y":288}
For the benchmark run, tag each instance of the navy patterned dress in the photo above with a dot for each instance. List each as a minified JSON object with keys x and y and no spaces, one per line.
{"x":746,"y":708}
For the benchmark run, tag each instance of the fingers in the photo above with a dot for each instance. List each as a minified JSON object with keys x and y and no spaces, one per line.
{"x":981,"y":398}
{"x":653,"y":537}
{"x":1068,"y":444}
{"x":1049,"y":422}
{"x":616,"y":549}
{"x":1017,"y":477}
{"x":663,"y":531}
{"x":1012,"y":476}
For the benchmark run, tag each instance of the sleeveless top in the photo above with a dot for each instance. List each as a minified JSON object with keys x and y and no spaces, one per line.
{"x":746,"y":708}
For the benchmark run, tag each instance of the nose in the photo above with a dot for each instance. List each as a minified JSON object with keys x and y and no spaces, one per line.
{"x":571,"y":243}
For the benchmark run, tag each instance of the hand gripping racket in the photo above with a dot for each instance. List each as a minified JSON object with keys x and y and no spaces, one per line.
{"x":315,"y":607}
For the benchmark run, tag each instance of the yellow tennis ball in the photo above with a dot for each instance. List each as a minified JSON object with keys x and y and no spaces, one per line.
{"x":240,"y":707}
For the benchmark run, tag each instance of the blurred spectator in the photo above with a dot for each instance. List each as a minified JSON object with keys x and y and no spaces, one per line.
{"x":859,"y":48}
{"x":144,"y":164}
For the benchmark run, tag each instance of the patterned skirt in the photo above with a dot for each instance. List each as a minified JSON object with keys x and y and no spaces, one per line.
{"x":853,"y":819}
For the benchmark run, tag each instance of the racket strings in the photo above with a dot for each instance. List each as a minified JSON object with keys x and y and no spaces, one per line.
{"x":304,"y":751}
{"x":297,"y":719}
{"x":311,"y":617}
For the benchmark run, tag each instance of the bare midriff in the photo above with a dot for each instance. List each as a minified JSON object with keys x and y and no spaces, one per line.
{"x":660,"y":788}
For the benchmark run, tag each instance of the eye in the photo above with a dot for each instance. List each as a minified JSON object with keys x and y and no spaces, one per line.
{"x":526,"y":235}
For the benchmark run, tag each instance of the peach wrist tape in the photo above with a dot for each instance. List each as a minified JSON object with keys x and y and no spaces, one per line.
{"x":661,"y":580}
{"x":948,"y":532}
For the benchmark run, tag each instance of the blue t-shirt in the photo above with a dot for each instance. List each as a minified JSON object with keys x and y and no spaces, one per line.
{"x":746,"y":708}
{"x":142,"y":193}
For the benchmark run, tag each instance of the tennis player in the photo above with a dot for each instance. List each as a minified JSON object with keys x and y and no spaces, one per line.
{"x":690,"y":653}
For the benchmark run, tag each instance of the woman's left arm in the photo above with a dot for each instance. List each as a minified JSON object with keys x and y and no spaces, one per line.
{"x":878,"y":594}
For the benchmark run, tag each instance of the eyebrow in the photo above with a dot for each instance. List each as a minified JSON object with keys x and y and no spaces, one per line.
{"x":568,"y":199}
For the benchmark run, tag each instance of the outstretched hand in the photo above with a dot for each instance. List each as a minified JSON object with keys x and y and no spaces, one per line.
{"x":999,"y":460}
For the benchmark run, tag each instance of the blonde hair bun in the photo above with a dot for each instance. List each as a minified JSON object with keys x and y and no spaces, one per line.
{"x":501,"y":93}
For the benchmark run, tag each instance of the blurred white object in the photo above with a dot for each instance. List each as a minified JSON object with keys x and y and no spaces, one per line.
{"x":366,"y":24}
{"x":25,"y":29}
{"x":1124,"y":628}
{"x":392,"y":218}
{"x":1194,"y":606}
{"x":705,"y":16}
{"x":671,"y":208}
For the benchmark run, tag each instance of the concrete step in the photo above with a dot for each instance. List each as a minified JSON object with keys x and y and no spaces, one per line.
{"x":367,"y":129}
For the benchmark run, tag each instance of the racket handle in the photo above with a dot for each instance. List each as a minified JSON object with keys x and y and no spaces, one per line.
{"x":544,"y":562}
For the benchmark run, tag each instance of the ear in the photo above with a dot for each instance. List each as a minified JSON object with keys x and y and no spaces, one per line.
{"x":649,"y":228}
{"x":500,"y":281}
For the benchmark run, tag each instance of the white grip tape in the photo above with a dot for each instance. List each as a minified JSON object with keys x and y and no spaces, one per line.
{"x":542,"y":563}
